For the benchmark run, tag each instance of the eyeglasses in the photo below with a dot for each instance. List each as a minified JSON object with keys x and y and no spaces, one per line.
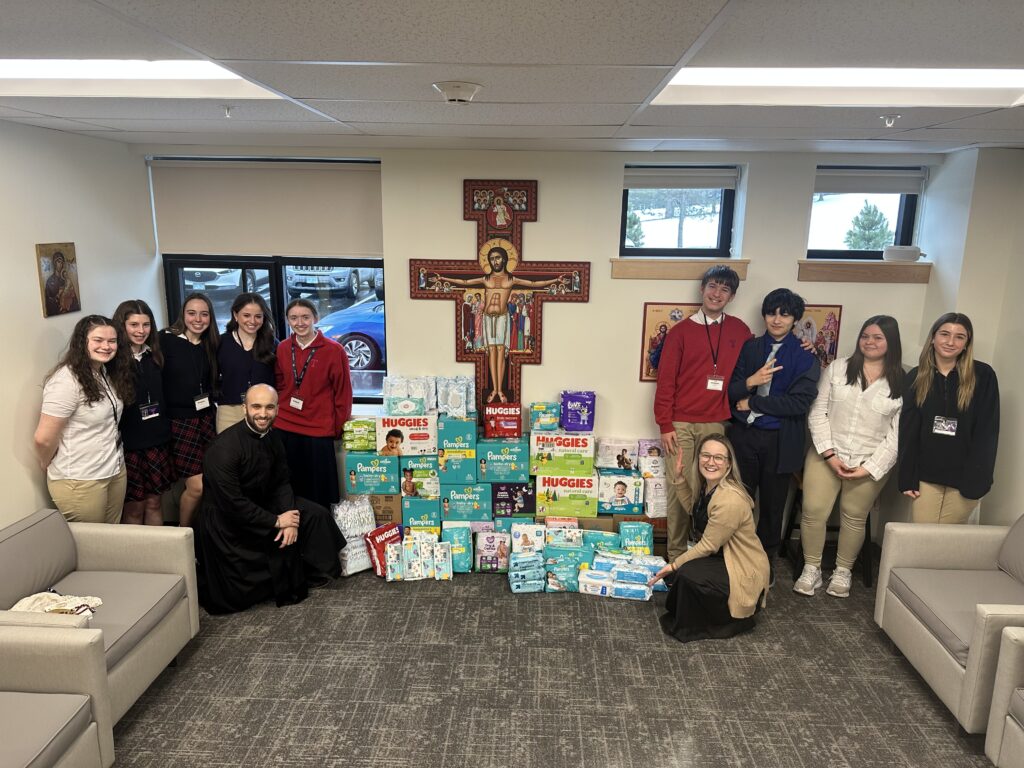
{"x":716,"y":458}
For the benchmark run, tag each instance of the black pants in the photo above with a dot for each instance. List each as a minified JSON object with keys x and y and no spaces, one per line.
{"x":757,"y":456}
{"x":313,"y":466}
{"x":697,"y":604}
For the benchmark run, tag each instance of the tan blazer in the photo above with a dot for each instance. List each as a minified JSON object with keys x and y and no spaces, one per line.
{"x":731,"y":528}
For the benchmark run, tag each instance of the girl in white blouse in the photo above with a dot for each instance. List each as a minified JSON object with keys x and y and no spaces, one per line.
{"x":77,"y":441}
{"x":854,"y":425}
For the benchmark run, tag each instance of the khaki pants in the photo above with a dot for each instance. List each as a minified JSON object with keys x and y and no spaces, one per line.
{"x":941,"y":504}
{"x":680,"y":495}
{"x":90,"y":501}
{"x":228,"y":416}
{"x":856,"y":497}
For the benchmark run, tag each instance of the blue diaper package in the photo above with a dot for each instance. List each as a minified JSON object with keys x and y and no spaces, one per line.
{"x":561,"y":578}
{"x":554,"y":555}
{"x":524,"y":561}
{"x":637,"y":537}
{"x":625,"y":591}
{"x":531,"y":574}
{"x":653,"y":563}
{"x":520,"y":587}
{"x":563,"y":537}
{"x":460,"y":535}
{"x":634,"y":574}
{"x":601,"y":539}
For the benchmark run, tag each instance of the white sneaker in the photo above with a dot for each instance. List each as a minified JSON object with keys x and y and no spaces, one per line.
{"x":809,"y":581}
{"x":839,"y":584}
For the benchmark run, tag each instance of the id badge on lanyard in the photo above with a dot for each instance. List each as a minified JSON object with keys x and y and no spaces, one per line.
{"x":944,"y":425}
{"x":149,"y":410}
{"x":202,"y":401}
{"x":716,"y":383}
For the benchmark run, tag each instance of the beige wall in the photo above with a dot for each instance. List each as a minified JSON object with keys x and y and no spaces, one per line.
{"x":58,"y":188}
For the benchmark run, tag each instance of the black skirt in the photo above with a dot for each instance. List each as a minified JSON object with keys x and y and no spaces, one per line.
{"x":698,"y":603}
{"x":313,"y":466}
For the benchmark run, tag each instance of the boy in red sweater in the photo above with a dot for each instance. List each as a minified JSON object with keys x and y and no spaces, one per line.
{"x":691,"y":399}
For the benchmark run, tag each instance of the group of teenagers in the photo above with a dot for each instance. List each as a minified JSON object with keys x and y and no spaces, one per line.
{"x":937,"y":424}
{"x":128,"y":411}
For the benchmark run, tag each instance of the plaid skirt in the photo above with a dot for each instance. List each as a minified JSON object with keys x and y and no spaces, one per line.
{"x":150,"y":472}
{"x":189,"y":438}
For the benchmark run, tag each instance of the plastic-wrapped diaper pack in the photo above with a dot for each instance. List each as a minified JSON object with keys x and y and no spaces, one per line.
{"x":601,"y":539}
{"x":460,"y":536}
{"x":637,"y":537}
{"x":527,"y":537}
{"x":443,"y":561}
{"x":354,"y":517}
{"x":355,"y":558}
{"x":393,"y":561}
{"x":544,"y":416}
{"x":492,"y":551}
{"x":555,"y":555}
{"x":563,"y":537}
{"x":561,"y":578}
{"x":376,"y":544}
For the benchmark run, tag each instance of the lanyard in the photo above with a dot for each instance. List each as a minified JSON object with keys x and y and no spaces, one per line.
{"x":251,"y":354}
{"x":141,"y":378}
{"x":113,"y":404}
{"x":295,"y":371}
{"x":714,"y":349}
{"x":200,"y":370}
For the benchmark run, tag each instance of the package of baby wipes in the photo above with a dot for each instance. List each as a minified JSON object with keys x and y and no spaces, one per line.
{"x":627,"y":591}
{"x":520,"y":587}
{"x":524,"y":561}
{"x":628,"y":572}
{"x":593,"y":582}
{"x":606,"y":559}
{"x":531,"y":574}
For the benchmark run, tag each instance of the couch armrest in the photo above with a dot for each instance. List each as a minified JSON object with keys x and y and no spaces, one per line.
{"x":60,"y":660}
{"x":1009,"y":676}
{"x":943,"y":547}
{"x":980,"y":673}
{"x":36,"y":619}
{"x":140,"y":549}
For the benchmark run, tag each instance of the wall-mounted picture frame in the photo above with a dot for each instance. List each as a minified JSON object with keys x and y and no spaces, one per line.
{"x":58,"y":278}
{"x":659,"y":319}
{"x":820,"y":325}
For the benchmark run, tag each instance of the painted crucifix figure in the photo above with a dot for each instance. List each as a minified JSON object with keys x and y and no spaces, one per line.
{"x":499,"y":296}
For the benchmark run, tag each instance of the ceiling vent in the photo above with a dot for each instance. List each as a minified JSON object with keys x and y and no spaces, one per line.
{"x":455,"y":92}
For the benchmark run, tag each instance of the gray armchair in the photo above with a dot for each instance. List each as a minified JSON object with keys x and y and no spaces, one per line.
{"x":945,"y":593}
{"x":1004,"y":741}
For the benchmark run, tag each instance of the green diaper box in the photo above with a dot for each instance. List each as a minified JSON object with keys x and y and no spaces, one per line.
{"x":502,"y":460}
{"x":466,"y":502}
{"x":370,"y":473}
{"x":567,"y":496}
{"x":562,"y":454}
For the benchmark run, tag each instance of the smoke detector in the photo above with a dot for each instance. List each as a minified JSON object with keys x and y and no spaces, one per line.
{"x":456,"y":92}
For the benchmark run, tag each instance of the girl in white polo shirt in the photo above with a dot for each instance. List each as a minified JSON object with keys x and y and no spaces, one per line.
{"x":77,"y":441}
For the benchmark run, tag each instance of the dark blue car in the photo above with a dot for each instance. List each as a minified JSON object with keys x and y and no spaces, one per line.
{"x":360,"y":330}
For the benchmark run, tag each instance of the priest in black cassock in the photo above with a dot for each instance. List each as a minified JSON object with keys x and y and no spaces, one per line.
{"x":256,"y":540}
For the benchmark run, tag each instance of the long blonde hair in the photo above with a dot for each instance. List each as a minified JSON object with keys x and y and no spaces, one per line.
{"x":732,"y":480}
{"x":964,"y":363}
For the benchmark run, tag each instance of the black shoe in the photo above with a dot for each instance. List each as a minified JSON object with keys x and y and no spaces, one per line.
{"x":320,"y":582}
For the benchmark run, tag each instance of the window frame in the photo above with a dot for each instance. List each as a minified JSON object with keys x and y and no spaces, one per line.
{"x":906,"y":217}
{"x":174,"y":263}
{"x":684,"y":173}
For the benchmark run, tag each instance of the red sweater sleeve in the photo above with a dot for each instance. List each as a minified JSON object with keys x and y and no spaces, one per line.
{"x":342,"y":387}
{"x":668,"y":376}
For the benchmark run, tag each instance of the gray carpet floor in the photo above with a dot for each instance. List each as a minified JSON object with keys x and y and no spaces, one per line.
{"x":366,"y":674}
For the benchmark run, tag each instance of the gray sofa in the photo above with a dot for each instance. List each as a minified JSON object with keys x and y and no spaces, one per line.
{"x":146,"y":578}
{"x":1004,"y":741}
{"x":945,"y":593}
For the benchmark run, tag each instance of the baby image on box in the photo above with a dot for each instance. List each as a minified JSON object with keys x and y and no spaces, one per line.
{"x":392,"y":443}
{"x":617,"y":497}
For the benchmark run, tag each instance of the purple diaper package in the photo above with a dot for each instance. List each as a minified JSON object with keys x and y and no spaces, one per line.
{"x":578,"y":410}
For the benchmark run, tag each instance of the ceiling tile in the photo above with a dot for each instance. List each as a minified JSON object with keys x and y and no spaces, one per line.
{"x":474,"y":114}
{"x":1005,"y":138}
{"x":224,"y":126}
{"x":493,"y":131}
{"x":802,"y":117}
{"x":999,"y":119}
{"x":163,"y":109}
{"x":57,"y":123}
{"x":531,"y":31}
{"x":868,"y":33}
{"x":747,"y":132}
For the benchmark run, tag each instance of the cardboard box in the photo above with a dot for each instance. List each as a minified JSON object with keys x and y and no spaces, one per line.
{"x":615,"y":453}
{"x":424,"y":476}
{"x":466,"y":502}
{"x":419,"y":433}
{"x":513,"y":499}
{"x":561,"y":455}
{"x":456,"y":449}
{"x":567,"y":496}
{"x":503,"y":420}
{"x":421,"y":512}
{"x":387,"y":508}
{"x":602,"y":523}
{"x":502,"y":461}
{"x":370,"y":473}
{"x":504,"y":524}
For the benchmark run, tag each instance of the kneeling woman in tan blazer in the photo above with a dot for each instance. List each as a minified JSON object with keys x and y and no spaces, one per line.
{"x":719,"y":581}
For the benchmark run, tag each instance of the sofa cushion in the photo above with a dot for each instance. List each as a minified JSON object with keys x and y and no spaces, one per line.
{"x":36,"y":729}
{"x":945,"y":601}
{"x":1016,"y":708}
{"x":1011,"y":554}
{"x":35,"y":553}
{"x":133,"y":604}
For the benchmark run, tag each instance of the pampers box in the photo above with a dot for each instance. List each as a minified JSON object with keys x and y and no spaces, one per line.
{"x":370,"y":473}
{"x":620,"y":492}
{"x":419,"y":433}
{"x":466,"y":502}
{"x":502,"y":461}
{"x":424,"y":475}
{"x":421,"y":512}
{"x":513,"y":499}
{"x":559,"y":453}
{"x":456,"y":449}
{"x":567,"y":496}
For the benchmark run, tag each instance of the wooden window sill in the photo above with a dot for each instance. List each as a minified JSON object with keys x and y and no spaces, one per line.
{"x":842,"y":271}
{"x":671,"y":269}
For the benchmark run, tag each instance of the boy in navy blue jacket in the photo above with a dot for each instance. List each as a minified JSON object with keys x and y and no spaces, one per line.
{"x":772,"y":388}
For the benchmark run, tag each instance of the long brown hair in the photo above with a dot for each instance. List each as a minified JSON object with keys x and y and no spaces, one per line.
{"x":926,"y":366}
{"x":138,"y":307}
{"x":210,"y":339}
{"x":76,"y":359}
{"x":730,"y":480}
{"x":263,"y":347}
{"x":892,"y":365}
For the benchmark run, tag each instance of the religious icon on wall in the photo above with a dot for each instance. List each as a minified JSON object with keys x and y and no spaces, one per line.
{"x":58,"y":278}
{"x":820,"y":326}
{"x":659,"y":319}
{"x":498,"y":295}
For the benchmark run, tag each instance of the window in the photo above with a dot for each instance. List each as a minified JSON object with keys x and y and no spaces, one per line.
{"x":678,"y":211}
{"x":348,"y":294}
{"x":857,"y":211}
